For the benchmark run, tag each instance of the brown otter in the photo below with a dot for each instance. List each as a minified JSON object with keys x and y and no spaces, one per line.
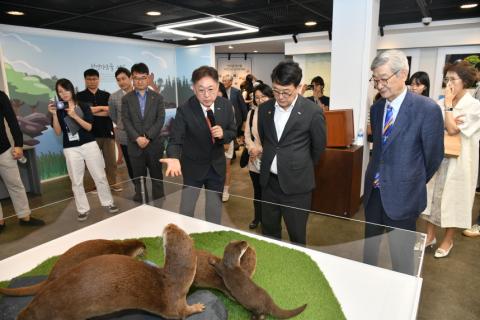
{"x":77,"y":254}
{"x":207,"y":277}
{"x":110,"y":283}
{"x":243,"y":289}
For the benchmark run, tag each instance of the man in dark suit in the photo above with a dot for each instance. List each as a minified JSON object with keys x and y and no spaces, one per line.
{"x":201,"y":127}
{"x":235,"y":97}
{"x":407,"y":150}
{"x":292,"y":132}
{"x":143,"y":115}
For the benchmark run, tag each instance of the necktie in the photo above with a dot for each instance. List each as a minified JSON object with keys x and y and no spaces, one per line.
{"x":387,"y":129}
{"x":209,"y":124}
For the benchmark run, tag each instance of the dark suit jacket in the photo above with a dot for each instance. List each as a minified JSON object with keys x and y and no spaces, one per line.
{"x":239,"y":105}
{"x":299,"y":148}
{"x":412,"y":154}
{"x":191,"y":142}
{"x":150,"y":125}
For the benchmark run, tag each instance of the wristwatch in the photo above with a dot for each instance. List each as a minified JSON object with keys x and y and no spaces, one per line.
{"x":448,"y":108}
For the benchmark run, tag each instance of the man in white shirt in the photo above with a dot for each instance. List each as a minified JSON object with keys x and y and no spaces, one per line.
{"x":292,"y":132}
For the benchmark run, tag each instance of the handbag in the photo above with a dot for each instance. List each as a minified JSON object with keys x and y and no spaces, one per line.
{"x":453,"y":145}
{"x":245,"y":157}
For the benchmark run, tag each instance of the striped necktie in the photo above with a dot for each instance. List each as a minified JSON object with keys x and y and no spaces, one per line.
{"x":387,"y":129}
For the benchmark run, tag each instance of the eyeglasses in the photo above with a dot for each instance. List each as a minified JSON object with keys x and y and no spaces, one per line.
{"x":261,"y":98}
{"x":447,"y":80}
{"x":383,"y":82}
{"x":140,"y":78}
{"x":205,"y":92}
{"x":284,"y":94}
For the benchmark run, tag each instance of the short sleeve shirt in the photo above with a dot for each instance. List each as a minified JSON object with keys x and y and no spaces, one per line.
{"x":102,"y":126}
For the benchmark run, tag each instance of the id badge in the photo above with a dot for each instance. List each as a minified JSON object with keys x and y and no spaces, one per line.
{"x":73,"y":137}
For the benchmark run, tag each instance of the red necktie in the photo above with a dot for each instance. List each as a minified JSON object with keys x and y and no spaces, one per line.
{"x":209,"y":124}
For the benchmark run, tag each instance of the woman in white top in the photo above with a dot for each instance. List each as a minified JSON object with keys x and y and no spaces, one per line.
{"x":261,"y":94}
{"x":451,"y":191}
{"x":73,"y":121}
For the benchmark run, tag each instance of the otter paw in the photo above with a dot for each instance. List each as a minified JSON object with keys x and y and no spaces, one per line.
{"x":212,"y":261}
{"x":198,"y":307}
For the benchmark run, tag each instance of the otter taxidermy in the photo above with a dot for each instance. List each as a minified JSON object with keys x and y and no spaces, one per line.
{"x":76,"y":254}
{"x":243,"y":289}
{"x":108,"y":284}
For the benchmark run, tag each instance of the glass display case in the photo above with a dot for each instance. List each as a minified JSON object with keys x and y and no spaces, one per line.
{"x":336,"y":245}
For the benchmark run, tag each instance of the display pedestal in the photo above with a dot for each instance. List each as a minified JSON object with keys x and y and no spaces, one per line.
{"x":338,"y":176}
{"x":365,"y":292}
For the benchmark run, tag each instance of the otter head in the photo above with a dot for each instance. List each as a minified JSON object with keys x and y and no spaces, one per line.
{"x":134,"y":247}
{"x":175,"y":238}
{"x":233,"y":253}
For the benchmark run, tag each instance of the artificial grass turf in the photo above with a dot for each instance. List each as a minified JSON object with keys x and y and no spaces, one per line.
{"x":291,"y":277}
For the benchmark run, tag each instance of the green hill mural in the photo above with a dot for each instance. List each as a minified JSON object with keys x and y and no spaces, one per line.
{"x":29,"y":95}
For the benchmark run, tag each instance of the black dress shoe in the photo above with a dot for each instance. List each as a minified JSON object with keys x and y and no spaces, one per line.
{"x":33,"y":222}
{"x":253,"y":224}
{"x":2,"y":226}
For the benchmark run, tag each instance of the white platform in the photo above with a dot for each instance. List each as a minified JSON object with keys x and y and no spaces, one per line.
{"x":364,"y":291}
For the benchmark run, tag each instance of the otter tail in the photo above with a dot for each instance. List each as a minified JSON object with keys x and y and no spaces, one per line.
{"x":23,"y":291}
{"x":286,"y":314}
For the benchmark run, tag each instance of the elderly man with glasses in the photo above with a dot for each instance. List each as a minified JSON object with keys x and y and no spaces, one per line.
{"x":407,"y":131}
{"x":292,"y":132}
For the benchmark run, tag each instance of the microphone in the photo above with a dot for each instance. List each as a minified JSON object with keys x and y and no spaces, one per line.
{"x":211,"y":117}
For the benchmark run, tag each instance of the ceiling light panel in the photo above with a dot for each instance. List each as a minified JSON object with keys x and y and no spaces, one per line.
{"x":208,"y":28}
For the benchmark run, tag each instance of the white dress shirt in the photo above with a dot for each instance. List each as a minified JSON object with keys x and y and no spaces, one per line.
{"x":280,"y":119}
{"x":205,"y":109}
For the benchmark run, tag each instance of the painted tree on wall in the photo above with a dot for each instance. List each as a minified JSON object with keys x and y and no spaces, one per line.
{"x":29,"y":96}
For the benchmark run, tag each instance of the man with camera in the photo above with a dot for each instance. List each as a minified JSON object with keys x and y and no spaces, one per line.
{"x":317,"y":85}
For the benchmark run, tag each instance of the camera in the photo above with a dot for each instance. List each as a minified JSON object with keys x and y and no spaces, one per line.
{"x":61,"y":105}
{"x":309,"y":87}
{"x":426,"y":20}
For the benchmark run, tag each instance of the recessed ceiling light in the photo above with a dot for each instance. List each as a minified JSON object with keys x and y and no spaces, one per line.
{"x":230,"y":47}
{"x":153,"y":13}
{"x":192,"y":39}
{"x":255,"y":51}
{"x":469,"y":5}
{"x":311,"y":23}
{"x":15,"y":13}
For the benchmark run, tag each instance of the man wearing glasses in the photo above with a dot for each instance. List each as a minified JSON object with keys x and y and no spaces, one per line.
{"x":292,"y":132}
{"x":202,"y":125}
{"x":407,"y":131}
{"x":143,"y":115}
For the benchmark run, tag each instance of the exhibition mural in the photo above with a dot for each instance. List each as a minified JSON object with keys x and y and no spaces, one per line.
{"x":34,"y":60}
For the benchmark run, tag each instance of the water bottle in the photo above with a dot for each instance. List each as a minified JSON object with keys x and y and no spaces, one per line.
{"x":359,"y":140}
{"x":22,"y":160}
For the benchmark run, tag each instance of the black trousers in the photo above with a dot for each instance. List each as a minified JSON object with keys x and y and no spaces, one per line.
{"x":127,"y":160}
{"x":401,"y":242}
{"x":257,"y":196}
{"x":289,"y":207}
{"x":148,"y":159}
{"x":213,"y":182}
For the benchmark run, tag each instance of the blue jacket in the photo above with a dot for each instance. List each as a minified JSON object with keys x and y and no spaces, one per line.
{"x":409,"y":158}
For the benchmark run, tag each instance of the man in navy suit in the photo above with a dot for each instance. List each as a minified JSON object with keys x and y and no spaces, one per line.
{"x":407,"y":150}
{"x":202,"y":125}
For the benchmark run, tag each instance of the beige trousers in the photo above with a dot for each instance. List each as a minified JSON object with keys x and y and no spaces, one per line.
{"x":11,"y":178}
{"x":107,"y":146}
